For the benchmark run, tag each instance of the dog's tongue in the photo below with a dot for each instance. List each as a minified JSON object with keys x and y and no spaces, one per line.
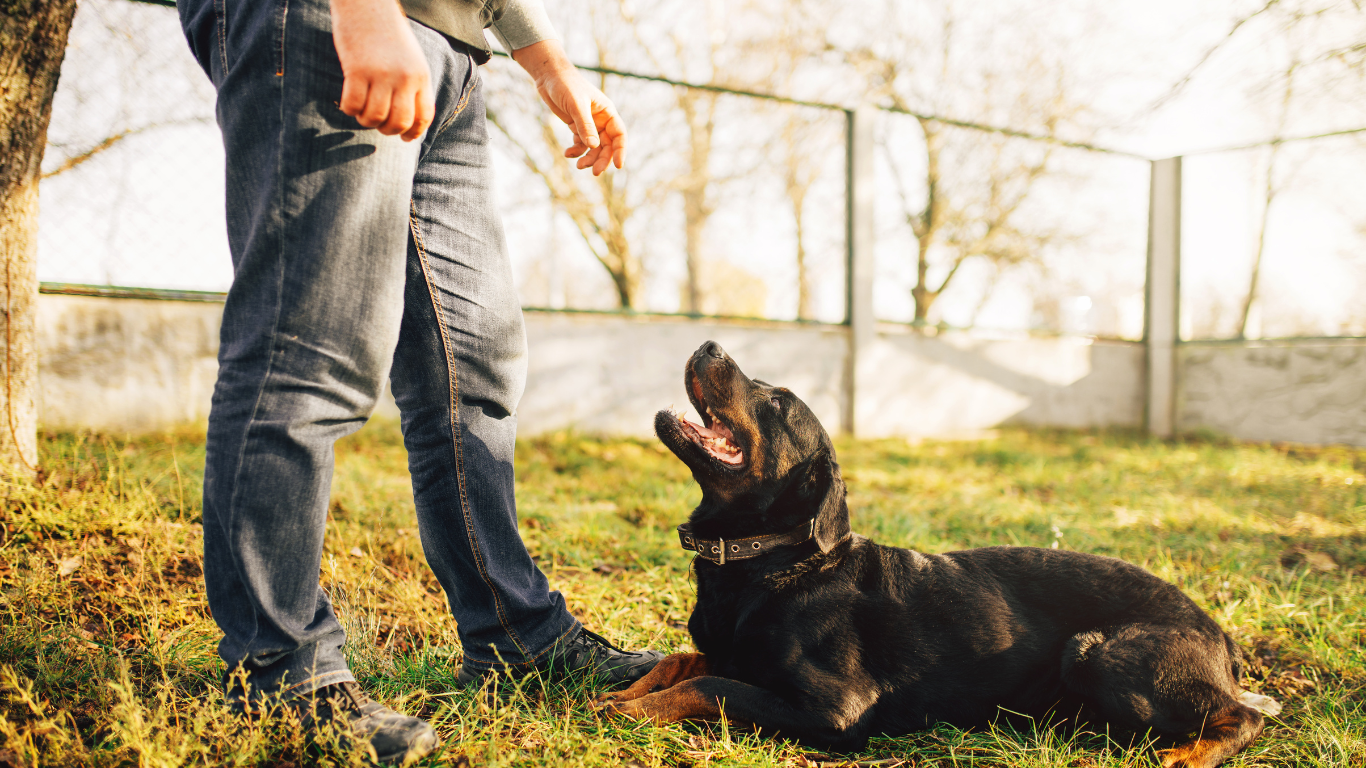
{"x":716,"y":441}
{"x":703,"y":431}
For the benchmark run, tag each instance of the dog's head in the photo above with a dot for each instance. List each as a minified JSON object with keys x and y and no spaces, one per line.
{"x":763,"y":459}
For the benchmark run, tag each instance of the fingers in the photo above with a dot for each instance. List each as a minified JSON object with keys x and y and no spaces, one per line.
{"x":377,"y":103}
{"x":585,"y":130}
{"x":613,"y":131}
{"x":354,"y":91}
{"x":405,"y":107}
{"x":610,"y":131}
{"x":426,"y":112}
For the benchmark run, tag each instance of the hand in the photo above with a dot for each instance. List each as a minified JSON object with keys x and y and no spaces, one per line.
{"x":387,"y":84}
{"x":599,"y":132}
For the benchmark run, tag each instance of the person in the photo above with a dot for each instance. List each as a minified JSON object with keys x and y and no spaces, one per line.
{"x":365,"y":241}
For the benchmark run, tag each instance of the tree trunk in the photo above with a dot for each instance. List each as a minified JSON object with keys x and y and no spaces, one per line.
{"x":699,"y":112}
{"x":926,"y":224}
{"x":1256,"y":276}
{"x":32,"y":43}
{"x":921,"y":293}
{"x":803,"y":277}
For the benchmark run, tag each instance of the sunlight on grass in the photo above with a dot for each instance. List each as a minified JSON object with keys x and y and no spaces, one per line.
{"x":107,"y":650}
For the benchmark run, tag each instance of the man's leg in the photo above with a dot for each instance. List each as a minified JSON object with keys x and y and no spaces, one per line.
{"x":317,"y":224}
{"x":458,"y":375}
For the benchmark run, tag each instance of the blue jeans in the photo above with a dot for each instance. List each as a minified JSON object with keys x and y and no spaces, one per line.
{"x":356,"y":255}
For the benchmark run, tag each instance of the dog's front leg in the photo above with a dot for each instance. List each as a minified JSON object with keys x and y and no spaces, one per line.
{"x":670,"y":671}
{"x":683,"y":700}
{"x":709,"y":698}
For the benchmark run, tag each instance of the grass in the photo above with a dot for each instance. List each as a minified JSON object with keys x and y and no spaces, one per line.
{"x":107,"y":649}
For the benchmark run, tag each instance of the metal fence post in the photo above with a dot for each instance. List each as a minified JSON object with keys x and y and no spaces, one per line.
{"x":1162,"y":299}
{"x":859,"y":236}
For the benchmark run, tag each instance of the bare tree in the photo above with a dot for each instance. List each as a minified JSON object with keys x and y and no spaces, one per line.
{"x":599,"y":208}
{"x":33,"y":36}
{"x":973,"y":186}
{"x":799,"y":173}
{"x":1269,"y":191}
{"x":696,"y":186}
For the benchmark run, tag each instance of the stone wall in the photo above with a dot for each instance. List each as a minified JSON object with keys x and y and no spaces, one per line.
{"x":1305,"y":391}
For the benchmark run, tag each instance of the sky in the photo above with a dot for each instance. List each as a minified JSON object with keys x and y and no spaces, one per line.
{"x":148,"y":211}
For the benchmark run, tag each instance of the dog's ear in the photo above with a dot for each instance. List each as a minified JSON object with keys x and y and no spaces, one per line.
{"x":832,"y":515}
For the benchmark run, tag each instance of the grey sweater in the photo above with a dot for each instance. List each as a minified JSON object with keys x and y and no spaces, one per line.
{"x":516,"y":23}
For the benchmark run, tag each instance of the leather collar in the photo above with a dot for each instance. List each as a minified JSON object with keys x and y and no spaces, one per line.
{"x":722,"y":551}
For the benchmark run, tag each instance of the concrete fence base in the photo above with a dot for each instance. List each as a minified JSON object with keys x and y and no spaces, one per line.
{"x":124,"y":365}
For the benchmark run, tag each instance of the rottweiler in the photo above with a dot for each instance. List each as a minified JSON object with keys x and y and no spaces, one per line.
{"x":808,"y":631}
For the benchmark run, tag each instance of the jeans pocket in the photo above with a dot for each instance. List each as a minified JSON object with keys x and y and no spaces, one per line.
{"x":466,"y":90}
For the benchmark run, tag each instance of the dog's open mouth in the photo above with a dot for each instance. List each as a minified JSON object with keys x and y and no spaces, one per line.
{"x":716,"y":441}
{"x":713,"y":437}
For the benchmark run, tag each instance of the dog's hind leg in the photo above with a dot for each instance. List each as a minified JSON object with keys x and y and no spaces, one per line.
{"x":670,"y":671}
{"x":1173,"y":681}
{"x":1225,"y":734}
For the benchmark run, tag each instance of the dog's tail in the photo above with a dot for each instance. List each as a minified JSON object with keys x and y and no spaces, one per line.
{"x":1264,"y":704}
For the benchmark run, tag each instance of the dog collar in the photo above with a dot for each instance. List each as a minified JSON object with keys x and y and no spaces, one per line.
{"x":722,"y":551}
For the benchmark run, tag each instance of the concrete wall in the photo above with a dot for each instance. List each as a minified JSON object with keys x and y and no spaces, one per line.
{"x":962,"y":382}
{"x":132,"y":365}
{"x":612,"y":374}
{"x":125,"y":365}
{"x":1298,"y":391}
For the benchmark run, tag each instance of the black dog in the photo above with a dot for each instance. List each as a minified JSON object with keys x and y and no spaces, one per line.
{"x":811,"y":632}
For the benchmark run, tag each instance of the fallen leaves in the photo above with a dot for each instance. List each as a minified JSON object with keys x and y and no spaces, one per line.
{"x":1312,"y":559}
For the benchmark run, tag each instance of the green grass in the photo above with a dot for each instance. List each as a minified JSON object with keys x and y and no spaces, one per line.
{"x":107,"y":647}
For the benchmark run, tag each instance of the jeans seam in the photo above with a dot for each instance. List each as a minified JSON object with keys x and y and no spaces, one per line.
{"x":455,"y":434}
{"x":220,"y":12}
{"x":465,"y":96}
{"x":280,"y":62}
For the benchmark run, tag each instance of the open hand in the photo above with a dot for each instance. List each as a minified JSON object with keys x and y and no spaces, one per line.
{"x":599,"y":132}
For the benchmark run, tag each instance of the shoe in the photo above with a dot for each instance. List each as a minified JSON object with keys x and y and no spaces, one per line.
{"x":395,"y":738}
{"x":585,"y":652}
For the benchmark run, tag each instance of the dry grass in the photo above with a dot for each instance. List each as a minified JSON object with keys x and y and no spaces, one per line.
{"x":107,"y":649}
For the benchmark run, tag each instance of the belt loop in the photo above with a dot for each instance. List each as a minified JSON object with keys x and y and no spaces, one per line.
{"x":723,"y":552}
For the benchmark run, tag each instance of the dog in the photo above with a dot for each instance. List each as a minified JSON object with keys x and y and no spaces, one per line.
{"x":808,"y":631}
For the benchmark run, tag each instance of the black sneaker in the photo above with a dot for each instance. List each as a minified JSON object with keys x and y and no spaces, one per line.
{"x":585,"y":652}
{"x":395,"y":738}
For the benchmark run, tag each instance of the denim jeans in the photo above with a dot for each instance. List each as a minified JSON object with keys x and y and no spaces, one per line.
{"x":356,"y":255}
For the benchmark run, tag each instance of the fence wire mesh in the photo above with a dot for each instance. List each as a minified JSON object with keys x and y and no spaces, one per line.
{"x":132,"y":189}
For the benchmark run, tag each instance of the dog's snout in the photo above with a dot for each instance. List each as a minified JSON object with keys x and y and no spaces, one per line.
{"x":713,"y":349}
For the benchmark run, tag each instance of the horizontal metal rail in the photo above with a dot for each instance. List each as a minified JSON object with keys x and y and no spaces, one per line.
{"x":1275,"y":141}
{"x":127,"y":292}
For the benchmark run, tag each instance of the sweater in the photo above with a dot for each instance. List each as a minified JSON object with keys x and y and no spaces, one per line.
{"x":516,"y":23}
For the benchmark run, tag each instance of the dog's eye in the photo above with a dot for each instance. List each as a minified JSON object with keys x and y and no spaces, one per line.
{"x":776,"y":403}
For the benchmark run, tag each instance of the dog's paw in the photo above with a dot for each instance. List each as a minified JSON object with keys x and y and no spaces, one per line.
{"x":604,"y":701}
{"x":617,"y":708}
